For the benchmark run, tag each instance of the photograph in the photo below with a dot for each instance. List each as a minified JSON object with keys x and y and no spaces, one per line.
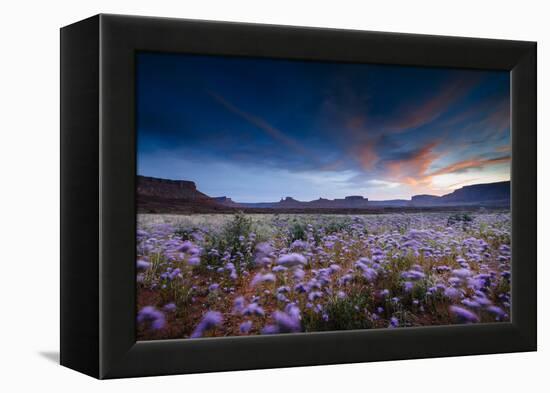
{"x":290,"y":196}
{"x":242,"y":196}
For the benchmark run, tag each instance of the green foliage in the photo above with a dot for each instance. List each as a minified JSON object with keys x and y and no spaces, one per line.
{"x":240,"y":225}
{"x":178,"y":290}
{"x":465,"y":219}
{"x":234,"y":239}
{"x":337,"y":224}
{"x":298,"y":231}
{"x":341,"y":314}
{"x":185,"y":232}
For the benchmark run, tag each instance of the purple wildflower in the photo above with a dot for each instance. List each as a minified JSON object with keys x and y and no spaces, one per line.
{"x":443,"y":268}
{"x":384,"y":292}
{"x":278,"y":269}
{"x":497,"y":311}
{"x":370,"y":274}
{"x":345,"y":279}
{"x":153,"y":316}
{"x":299,"y":274}
{"x":281,"y":297}
{"x":209,"y":321}
{"x":254,"y":309}
{"x":413,"y":275}
{"x":408,"y":286}
{"x":185,"y":246}
{"x":314,"y":295}
{"x":461,"y":273}
{"x":452,"y":293}
{"x":270,"y":329}
{"x":463,"y":315}
{"x":142,"y":265}
{"x":245,"y":326}
{"x":292,"y":260}
{"x":299,"y":244}
{"x":470,"y":303}
{"x":260,"y":278}
{"x":284,"y":323}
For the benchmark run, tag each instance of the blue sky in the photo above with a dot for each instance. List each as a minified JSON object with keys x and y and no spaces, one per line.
{"x":258,"y":129}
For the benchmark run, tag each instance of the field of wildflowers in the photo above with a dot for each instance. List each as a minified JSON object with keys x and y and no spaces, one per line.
{"x":226,"y":275}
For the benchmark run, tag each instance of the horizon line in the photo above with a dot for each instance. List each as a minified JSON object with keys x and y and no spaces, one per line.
{"x":320,"y":198}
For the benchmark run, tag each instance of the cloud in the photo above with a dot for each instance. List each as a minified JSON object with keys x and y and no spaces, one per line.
{"x":454,"y":186}
{"x":473,"y":163}
{"x":484,"y":123}
{"x":382,"y":183}
{"x":504,"y":149}
{"x":261,"y":124}
{"x":336,"y":165}
{"x":499,"y":119}
{"x":380,"y":165}
{"x":366,"y":154}
{"x":434,"y":107}
{"x":345,"y":126}
{"x":412,"y":169}
{"x":306,"y":156}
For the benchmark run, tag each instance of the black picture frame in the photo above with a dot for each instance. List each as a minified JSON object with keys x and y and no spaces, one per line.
{"x":98,"y":210}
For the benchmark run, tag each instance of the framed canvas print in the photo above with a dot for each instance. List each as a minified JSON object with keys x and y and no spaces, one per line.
{"x":239,"y":196}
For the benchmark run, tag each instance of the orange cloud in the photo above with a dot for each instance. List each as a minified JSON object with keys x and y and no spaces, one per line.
{"x":473,"y":163}
{"x":367,"y":155}
{"x":504,"y":149}
{"x":412,"y":170}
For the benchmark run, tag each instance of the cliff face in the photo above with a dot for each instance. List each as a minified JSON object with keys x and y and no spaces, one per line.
{"x":169,"y":189}
{"x":497,"y":194}
{"x":181,"y":196}
{"x":225,"y":201}
{"x":174,"y":196}
{"x":480,"y":192}
{"x":425,"y":199}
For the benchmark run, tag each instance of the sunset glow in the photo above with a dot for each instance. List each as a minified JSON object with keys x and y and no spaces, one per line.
{"x":257,"y":130}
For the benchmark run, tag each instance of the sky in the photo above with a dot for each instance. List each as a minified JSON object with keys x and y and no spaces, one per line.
{"x":258,"y":130}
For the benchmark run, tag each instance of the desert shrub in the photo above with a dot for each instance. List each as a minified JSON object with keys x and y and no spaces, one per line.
{"x":213,"y":241}
{"x":457,"y":218}
{"x":184,"y":232}
{"x":341,"y":314}
{"x":240,"y":226}
{"x":336,"y":225}
{"x":236,"y":239}
{"x":298,"y":231}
